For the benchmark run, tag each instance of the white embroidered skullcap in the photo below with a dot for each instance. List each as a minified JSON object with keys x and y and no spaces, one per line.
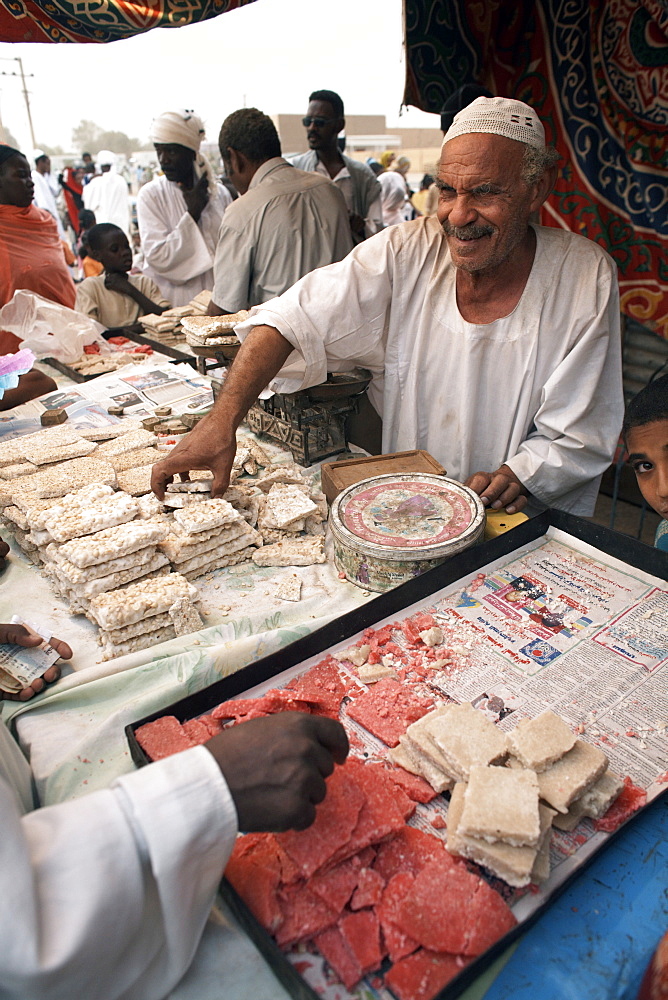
{"x":184,"y":128}
{"x":499,"y":116}
{"x":37,"y":154}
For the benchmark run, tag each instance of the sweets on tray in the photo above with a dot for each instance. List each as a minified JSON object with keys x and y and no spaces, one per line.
{"x":364,"y":884}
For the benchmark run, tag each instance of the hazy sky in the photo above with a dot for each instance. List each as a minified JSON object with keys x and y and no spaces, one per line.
{"x":270,"y":55}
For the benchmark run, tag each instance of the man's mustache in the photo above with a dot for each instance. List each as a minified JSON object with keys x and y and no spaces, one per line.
{"x":470,"y":232}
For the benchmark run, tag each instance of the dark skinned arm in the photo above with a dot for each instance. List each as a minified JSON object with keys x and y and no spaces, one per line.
{"x":31,"y":385}
{"x":499,"y":489}
{"x":117,"y":281}
{"x":212,"y":444}
{"x":275,"y":768}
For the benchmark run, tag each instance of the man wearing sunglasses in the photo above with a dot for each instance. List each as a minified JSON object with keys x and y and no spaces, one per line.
{"x":323,"y":122}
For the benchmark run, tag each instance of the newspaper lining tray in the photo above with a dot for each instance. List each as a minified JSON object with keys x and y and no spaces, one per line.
{"x":407,"y":599}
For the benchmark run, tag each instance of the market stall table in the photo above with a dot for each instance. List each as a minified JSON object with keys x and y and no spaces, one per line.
{"x":73,"y":736}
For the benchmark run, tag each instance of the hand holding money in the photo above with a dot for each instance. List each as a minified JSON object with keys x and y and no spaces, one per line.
{"x":20,"y":635}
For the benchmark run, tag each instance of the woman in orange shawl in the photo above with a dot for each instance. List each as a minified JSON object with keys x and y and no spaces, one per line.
{"x":31,"y":254}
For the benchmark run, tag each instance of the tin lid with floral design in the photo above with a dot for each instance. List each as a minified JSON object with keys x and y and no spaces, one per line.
{"x":410,"y":516}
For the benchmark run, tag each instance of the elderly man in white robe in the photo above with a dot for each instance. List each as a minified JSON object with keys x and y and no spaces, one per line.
{"x":179,"y":214}
{"x":494,"y":343}
{"x":107,"y":195}
{"x":106,"y":897}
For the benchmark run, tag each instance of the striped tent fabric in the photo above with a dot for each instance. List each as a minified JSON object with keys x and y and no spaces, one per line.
{"x":596,"y":71}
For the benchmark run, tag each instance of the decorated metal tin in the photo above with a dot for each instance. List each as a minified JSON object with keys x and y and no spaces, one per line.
{"x":391,"y":528}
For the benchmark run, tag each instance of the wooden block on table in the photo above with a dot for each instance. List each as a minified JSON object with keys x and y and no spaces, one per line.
{"x":51,"y":417}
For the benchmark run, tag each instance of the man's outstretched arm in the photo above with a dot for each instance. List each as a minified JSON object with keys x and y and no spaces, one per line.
{"x":212,"y":443}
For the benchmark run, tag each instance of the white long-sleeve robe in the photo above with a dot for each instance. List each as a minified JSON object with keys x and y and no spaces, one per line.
{"x":539,"y":389}
{"x":45,"y":195}
{"x":108,"y":196}
{"x":105,"y":897}
{"x":178,"y":252}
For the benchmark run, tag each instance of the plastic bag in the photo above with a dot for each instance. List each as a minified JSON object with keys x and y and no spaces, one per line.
{"x":50,"y":330}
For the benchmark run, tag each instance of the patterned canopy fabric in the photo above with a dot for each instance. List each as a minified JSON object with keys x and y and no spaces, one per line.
{"x":101,"y":20}
{"x":596,"y":71}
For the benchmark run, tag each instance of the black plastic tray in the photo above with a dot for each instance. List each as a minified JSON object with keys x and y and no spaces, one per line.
{"x":135,"y":333}
{"x":622,"y":547}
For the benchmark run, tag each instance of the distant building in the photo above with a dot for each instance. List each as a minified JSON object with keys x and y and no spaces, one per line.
{"x":367,"y":135}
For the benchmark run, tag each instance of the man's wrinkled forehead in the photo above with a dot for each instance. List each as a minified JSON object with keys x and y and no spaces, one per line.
{"x":487,"y":157}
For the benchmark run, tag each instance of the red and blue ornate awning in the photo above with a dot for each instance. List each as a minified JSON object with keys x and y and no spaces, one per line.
{"x":101,"y":20}
{"x":597,"y":73}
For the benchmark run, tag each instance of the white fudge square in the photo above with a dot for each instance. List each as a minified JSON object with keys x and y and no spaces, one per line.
{"x":568,"y":778}
{"x":539,"y":742}
{"x":465,"y":736}
{"x":501,"y":804}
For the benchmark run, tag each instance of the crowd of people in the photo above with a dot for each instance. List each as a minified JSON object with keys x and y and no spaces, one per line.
{"x":493,"y":342}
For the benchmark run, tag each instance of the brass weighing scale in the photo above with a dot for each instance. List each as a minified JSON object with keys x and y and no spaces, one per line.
{"x":312,"y":423}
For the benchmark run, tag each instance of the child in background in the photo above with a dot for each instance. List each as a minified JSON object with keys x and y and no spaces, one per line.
{"x":114,"y":298}
{"x":91,"y":268}
{"x":645,"y":434}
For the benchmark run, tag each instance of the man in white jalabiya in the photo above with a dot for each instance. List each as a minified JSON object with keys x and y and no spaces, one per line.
{"x":47,"y":188}
{"x":179,"y":214}
{"x":107,"y":195}
{"x":106,"y":897}
{"x":494,"y":343}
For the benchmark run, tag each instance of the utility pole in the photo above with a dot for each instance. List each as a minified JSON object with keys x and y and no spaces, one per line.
{"x":26,"y":96}
{"x":27,"y":100}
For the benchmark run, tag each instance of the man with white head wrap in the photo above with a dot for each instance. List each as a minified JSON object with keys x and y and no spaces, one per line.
{"x":494,"y":343}
{"x":179,"y":214}
{"x":107,"y":195}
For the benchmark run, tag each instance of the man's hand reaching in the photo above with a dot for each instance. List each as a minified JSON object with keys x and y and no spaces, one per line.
{"x":276,"y":767}
{"x":499,"y":489}
{"x":205,"y":447}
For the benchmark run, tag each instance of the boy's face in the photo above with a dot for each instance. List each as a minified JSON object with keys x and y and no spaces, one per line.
{"x":648,"y":454}
{"x":115,"y":253}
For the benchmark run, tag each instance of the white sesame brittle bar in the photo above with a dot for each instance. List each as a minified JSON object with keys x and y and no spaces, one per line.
{"x":140,"y":600}
{"x":206,"y":515}
{"x":110,"y":543}
{"x":300,"y":552}
{"x":138,"y":438}
{"x":47,"y":454}
{"x":68,"y":476}
{"x":66,"y":523}
{"x":185,"y":617}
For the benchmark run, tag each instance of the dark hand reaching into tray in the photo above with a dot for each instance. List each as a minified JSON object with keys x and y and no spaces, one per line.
{"x":276,"y":767}
{"x":212,"y":443}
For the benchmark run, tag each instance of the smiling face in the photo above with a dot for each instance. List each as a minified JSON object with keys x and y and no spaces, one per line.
{"x":176,"y":162}
{"x":648,"y":455}
{"x":114,"y":252}
{"x":323,"y":131}
{"x":484,"y":205}
{"x":16,"y":183}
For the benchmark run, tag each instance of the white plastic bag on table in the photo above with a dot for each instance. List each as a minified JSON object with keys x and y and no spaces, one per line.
{"x":49,"y":329}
